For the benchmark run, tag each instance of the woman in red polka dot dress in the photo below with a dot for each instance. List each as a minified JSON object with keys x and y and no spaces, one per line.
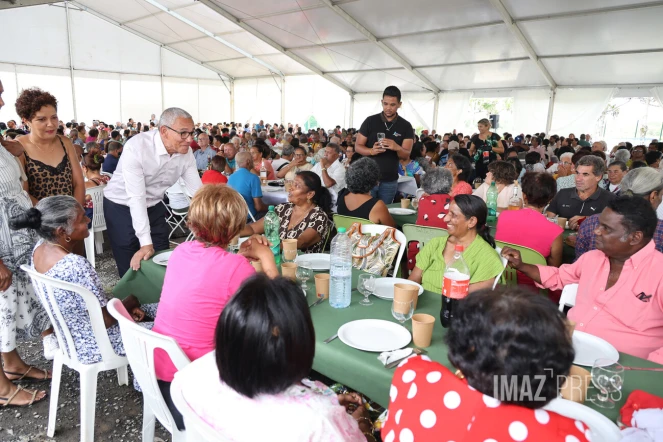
{"x":495,"y":335}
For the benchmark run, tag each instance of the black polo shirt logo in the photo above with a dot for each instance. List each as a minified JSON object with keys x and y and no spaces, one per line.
{"x":396,"y":134}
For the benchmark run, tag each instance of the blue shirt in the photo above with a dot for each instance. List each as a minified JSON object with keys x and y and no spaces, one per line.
{"x":203,"y":158}
{"x":247,"y":185}
{"x":110,"y":164}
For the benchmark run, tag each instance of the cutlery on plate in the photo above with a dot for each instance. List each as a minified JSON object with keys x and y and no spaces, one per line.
{"x":416,"y":351}
{"x":331,"y":338}
{"x":319,"y":301}
{"x":643,"y":368}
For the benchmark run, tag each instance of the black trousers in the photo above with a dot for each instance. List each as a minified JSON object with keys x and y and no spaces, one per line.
{"x":123,"y":236}
{"x":164,"y":387}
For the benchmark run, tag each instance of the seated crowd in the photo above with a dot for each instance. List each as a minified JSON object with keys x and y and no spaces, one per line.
{"x":252,"y":336}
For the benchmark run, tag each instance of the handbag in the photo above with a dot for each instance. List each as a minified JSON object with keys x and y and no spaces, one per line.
{"x":373,"y":254}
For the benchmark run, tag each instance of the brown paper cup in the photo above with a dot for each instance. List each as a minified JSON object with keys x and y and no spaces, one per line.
{"x":405,"y":203}
{"x":402,"y":306}
{"x":257,"y":265}
{"x":576,"y":384}
{"x":422,"y":329}
{"x":562,"y":222}
{"x":289,"y":270}
{"x":289,"y":249}
{"x":322,"y":284}
{"x":405,"y":292}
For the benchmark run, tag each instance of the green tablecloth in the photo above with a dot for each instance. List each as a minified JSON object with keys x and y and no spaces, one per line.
{"x":362,"y":370}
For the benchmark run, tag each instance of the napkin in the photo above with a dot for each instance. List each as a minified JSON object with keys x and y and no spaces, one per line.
{"x":390,"y":356}
{"x":647,"y":426}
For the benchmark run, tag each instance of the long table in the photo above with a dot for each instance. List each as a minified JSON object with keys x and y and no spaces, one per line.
{"x":361,"y":370}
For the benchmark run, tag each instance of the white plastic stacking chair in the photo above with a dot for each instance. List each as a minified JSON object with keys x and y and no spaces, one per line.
{"x":95,"y":239}
{"x":505,"y":262}
{"x":378,"y":229}
{"x":601,"y":427}
{"x":44,"y":287}
{"x":139,"y":344}
{"x":568,"y":297}
{"x":197,"y":430}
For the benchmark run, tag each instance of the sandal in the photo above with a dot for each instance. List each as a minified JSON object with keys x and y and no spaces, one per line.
{"x":23,"y":376}
{"x":7,"y":401}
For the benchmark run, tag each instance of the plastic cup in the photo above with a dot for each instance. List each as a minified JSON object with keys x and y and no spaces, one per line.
{"x":322,"y":285}
{"x":406,"y":292}
{"x":289,"y":249}
{"x":289,"y":270}
{"x":422,"y":329}
{"x":561,"y":222}
{"x":405,"y":203}
{"x":257,"y":265}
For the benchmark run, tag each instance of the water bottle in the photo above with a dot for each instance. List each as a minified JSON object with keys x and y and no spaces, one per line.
{"x":271,"y":224}
{"x":455,"y":285}
{"x":341,"y":270}
{"x":491,"y":202}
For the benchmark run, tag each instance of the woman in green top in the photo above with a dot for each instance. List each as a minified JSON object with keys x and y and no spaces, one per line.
{"x":466,"y":223}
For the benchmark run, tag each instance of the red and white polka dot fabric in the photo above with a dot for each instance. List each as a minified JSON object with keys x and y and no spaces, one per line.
{"x":428,"y":403}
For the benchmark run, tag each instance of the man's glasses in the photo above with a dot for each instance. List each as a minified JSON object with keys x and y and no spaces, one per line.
{"x":183,"y":134}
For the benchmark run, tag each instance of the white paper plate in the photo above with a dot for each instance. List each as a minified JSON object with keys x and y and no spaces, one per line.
{"x":384,"y":287}
{"x":272,"y":189}
{"x":589,"y":348}
{"x":374,"y":335}
{"x":162,"y":258}
{"x":319,"y":261}
{"x":399,"y":211}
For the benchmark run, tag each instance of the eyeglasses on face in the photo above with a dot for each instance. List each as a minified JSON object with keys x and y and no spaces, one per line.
{"x":184,"y":134}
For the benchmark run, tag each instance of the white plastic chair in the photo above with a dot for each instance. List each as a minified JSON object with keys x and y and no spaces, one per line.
{"x":139,"y":344}
{"x":568,"y":297}
{"x":95,"y":240}
{"x":197,"y":430}
{"x":44,"y":287}
{"x":378,"y":229}
{"x":108,"y":174}
{"x":601,"y":427}
{"x":504,"y":264}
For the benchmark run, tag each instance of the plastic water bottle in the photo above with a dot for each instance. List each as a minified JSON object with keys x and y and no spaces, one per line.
{"x":272,"y":223}
{"x":491,"y":202}
{"x":455,"y":285}
{"x":341,"y":270}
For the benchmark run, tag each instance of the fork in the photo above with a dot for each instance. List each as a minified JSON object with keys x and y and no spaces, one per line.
{"x":319,"y":301}
{"x":331,"y":338}
{"x":416,"y":351}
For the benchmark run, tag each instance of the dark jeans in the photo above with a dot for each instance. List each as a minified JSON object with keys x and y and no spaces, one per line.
{"x":165,"y":392}
{"x":386,"y":191}
{"x":122,"y":235}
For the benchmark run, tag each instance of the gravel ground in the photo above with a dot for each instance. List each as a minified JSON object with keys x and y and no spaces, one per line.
{"x":119,"y":415}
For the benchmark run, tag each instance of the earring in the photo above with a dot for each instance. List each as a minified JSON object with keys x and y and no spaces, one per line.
{"x":67,"y":239}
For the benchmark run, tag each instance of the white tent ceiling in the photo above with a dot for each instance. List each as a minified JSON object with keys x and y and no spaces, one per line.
{"x":421,"y":45}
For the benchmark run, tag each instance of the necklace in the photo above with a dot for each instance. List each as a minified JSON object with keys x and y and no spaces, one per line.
{"x":392,"y":123}
{"x":59,"y":245}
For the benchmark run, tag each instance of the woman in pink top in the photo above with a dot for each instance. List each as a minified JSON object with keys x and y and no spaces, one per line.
{"x":529,"y":227}
{"x":202,"y":276}
{"x":460,"y":168}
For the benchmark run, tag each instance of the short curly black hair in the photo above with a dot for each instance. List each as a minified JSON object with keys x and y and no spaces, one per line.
{"x":32,"y":100}
{"x":539,"y":188}
{"x":511,"y":334}
{"x":362,"y":175}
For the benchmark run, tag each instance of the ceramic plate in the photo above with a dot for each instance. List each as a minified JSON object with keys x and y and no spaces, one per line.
{"x":374,"y":335}
{"x":162,"y":258}
{"x":589,"y":348}
{"x":399,"y":211}
{"x":319,"y":261}
{"x":384,"y":287}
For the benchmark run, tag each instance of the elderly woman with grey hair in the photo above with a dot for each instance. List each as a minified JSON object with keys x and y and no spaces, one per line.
{"x":622,"y":155}
{"x":356,"y":200}
{"x":434,"y":203}
{"x":643,"y":182}
{"x":60,"y":222}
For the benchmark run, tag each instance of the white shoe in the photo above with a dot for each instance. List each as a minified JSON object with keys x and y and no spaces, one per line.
{"x":51,"y":346}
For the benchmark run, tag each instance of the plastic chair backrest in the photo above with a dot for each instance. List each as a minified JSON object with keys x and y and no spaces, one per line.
{"x":347,"y":221}
{"x":139,"y":345}
{"x":568,"y":297}
{"x":601,"y":427}
{"x":528,"y":256}
{"x":98,"y":219}
{"x":44,"y":287}
{"x":378,"y":229}
{"x":504,"y":264}
{"x":422,"y":234}
{"x":196,"y":429}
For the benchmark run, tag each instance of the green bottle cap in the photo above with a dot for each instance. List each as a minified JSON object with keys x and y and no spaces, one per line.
{"x":341,"y":230}
{"x":271,"y":208}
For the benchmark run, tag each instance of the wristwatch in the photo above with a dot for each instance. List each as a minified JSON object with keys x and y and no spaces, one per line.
{"x":324,"y":169}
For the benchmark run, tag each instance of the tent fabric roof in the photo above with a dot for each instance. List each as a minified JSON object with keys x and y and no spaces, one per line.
{"x":421,"y":45}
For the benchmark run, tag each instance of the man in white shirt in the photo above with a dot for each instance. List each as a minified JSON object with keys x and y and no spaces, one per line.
{"x":151,"y":162}
{"x":331,"y":171}
{"x":286,"y":156}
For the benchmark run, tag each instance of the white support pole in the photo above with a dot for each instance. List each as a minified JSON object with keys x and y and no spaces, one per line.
{"x":352,"y":110}
{"x":198,"y":86}
{"x":282,"y":100}
{"x":436,"y":109}
{"x":71,"y":59}
{"x":163,"y":98}
{"x":121,"y":119}
{"x":232,"y":100}
{"x":551,"y":108}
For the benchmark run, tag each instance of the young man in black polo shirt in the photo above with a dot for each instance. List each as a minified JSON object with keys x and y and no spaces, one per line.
{"x":397,"y":143}
{"x":587,"y":198}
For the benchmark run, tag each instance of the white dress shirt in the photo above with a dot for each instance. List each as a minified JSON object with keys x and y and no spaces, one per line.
{"x":144,"y":173}
{"x":336,"y":171}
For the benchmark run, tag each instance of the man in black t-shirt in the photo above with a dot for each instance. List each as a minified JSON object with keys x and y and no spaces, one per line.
{"x":397,"y":143}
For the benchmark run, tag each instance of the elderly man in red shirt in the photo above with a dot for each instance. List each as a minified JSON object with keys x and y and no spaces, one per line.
{"x":620,"y":284}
